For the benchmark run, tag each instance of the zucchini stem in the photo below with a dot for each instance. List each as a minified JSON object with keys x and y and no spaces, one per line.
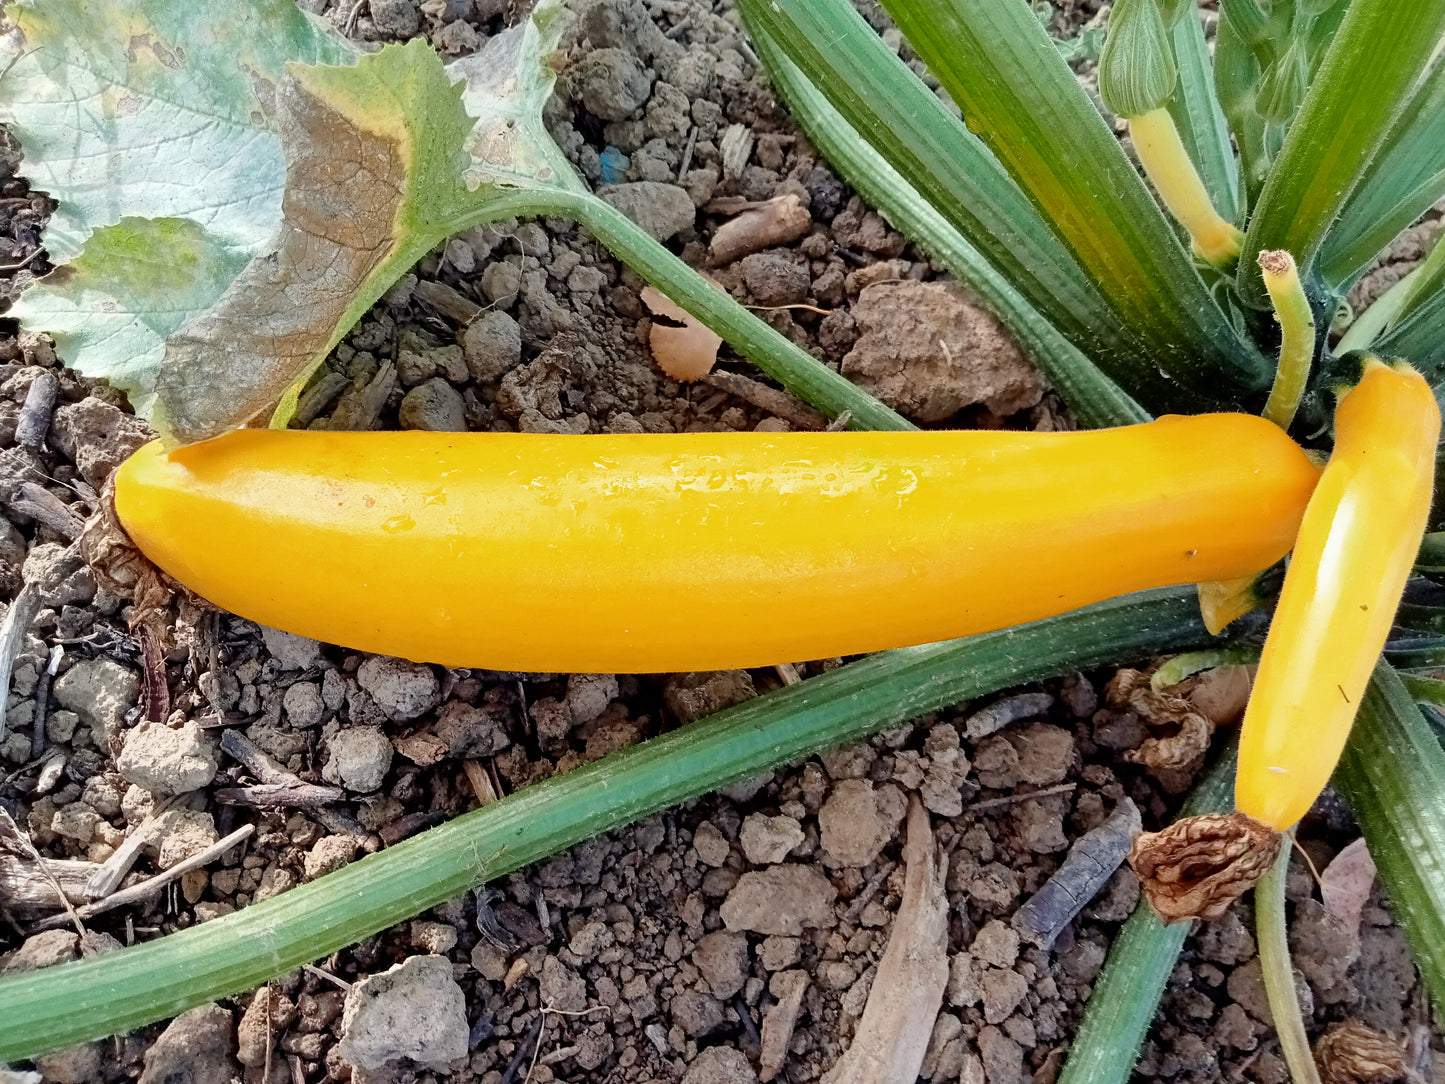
{"x":1168,"y":165}
{"x":1297,"y":335}
{"x":1269,"y":930}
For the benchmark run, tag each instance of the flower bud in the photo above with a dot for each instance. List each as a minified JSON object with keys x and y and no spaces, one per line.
{"x":1283,"y":86}
{"x":1136,"y":70}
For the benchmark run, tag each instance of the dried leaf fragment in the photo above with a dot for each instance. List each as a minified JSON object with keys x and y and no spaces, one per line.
{"x":684,"y":348}
{"x":893,"y":1033}
{"x":777,"y":221}
{"x":1198,"y":866}
{"x":1346,"y":882}
{"x":1351,"y":1053}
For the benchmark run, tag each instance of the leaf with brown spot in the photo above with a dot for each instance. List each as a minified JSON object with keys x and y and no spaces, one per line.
{"x":287,"y":183}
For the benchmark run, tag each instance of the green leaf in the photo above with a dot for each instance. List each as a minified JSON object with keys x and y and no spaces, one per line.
{"x":131,"y":286}
{"x":995,"y":61}
{"x":1417,"y":332}
{"x":153,"y":127}
{"x":1200,"y":119}
{"x":954,"y":172}
{"x":117,"y":106}
{"x":1364,"y":82}
{"x":1092,"y":396}
{"x":266,"y":203}
{"x":1405,"y":179}
{"x":374,"y":160}
{"x":1392,"y":775}
{"x":121,"y":990}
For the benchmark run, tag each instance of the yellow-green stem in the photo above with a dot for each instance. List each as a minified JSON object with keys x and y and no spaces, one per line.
{"x":1223,"y":601}
{"x":1278,"y":972}
{"x":1162,"y":153}
{"x":1297,"y":335}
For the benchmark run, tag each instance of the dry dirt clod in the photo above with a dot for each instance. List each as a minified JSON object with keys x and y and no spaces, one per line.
{"x":788,"y":987}
{"x":414,"y":1011}
{"x":928,"y":350}
{"x":1351,"y":1053}
{"x":1198,"y":866}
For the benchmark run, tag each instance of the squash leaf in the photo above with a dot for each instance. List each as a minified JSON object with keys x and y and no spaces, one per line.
{"x":236,"y":185}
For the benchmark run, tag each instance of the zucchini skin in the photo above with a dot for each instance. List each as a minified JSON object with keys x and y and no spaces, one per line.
{"x":1356,"y":547}
{"x":654,"y":553}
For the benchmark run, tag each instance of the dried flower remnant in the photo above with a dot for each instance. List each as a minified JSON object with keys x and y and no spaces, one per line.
{"x":1198,"y":866}
{"x":1181,"y":751}
{"x":1351,"y":1053}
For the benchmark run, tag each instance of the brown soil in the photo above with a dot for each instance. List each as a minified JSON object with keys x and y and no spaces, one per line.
{"x":657,"y":953}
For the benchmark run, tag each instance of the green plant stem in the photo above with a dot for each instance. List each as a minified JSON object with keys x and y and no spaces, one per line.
{"x":785,"y":361}
{"x":1392,"y":775}
{"x":1424,"y":690}
{"x":1432,"y":552}
{"x":1297,"y":336}
{"x":1417,"y":331}
{"x":1126,"y":995}
{"x":1363,"y":84}
{"x":1404,"y":180}
{"x":115,"y":992}
{"x":995,"y":60}
{"x":1095,"y":399}
{"x":1175,"y":670}
{"x":1279,"y":988}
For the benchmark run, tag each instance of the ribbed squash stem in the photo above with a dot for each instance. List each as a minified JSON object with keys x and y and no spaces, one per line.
{"x":1297,"y":335}
{"x":1126,"y":996}
{"x":1278,"y":972}
{"x":1162,"y":153}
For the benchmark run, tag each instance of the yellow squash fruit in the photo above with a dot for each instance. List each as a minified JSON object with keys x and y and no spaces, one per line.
{"x":702,"y":551}
{"x":1355,"y":549}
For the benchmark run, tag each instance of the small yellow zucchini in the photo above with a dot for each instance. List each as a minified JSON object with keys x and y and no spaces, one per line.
{"x":1356,"y":546}
{"x":702,"y":551}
